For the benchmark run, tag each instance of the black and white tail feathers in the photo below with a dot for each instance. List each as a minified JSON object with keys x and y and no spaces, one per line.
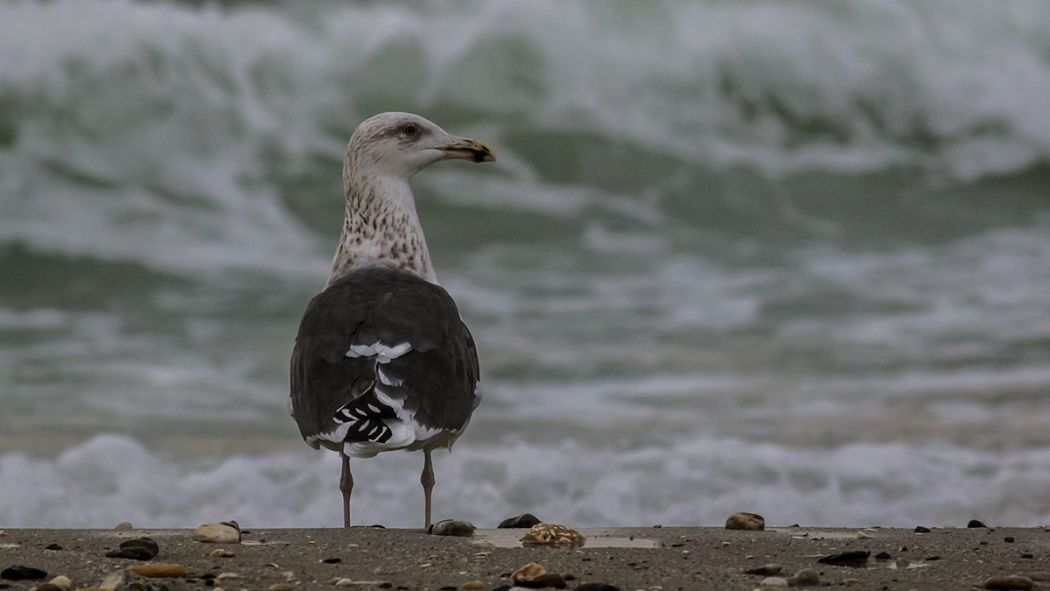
{"x":364,"y":416}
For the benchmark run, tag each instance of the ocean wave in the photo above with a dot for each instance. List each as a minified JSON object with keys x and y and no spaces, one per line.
{"x":691,"y":481}
{"x":209,"y":137}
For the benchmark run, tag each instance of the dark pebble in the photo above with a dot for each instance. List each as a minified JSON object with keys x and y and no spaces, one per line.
{"x":983,"y":542}
{"x":597,"y":587}
{"x":543,"y":582}
{"x":452,"y":527}
{"x":208,"y":576}
{"x":1028,"y":556}
{"x":975,"y":523}
{"x":136,"y":549}
{"x":53,"y":547}
{"x":883,"y":556}
{"x":501,"y":588}
{"x":1009,"y":583}
{"x":386,"y":585}
{"x":525,"y":520}
{"x":449,"y":588}
{"x":332,"y":560}
{"x":921,"y":530}
{"x":766,"y":570}
{"x":22,"y":573}
{"x":1009,"y":539}
{"x":932,"y":558}
{"x":854,"y":558}
{"x":658,"y":526}
{"x":903,"y":549}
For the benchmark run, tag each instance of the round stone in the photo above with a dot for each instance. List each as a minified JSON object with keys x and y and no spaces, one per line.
{"x":746,"y":521}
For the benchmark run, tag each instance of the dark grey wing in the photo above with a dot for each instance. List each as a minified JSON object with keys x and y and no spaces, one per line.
{"x":382,"y":355}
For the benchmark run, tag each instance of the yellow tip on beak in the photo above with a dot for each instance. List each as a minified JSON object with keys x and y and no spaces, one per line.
{"x":467,"y":149}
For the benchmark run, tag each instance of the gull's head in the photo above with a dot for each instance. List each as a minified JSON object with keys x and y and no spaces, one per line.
{"x":402,"y":144}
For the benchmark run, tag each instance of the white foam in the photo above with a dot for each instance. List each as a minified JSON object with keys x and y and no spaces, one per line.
{"x":694,"y":480}
{"x":178,"y":118}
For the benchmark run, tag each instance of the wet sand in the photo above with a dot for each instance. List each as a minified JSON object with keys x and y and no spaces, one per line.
{"x":667,"y":558}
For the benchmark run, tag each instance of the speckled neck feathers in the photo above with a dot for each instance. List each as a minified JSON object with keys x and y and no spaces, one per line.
{"x":381,"y":226}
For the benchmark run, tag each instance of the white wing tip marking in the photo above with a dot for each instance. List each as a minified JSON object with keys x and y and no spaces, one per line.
{"x":385,"y":353}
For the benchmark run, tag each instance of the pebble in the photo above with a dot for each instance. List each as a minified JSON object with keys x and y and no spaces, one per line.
{"x":136,"y":549}
{"x":543,"y":582}
{"x":281,"y":587}
{"x":919,"y":529}
{"x":552,"y":535}
{"x":746,"y":521}
{"x":883,"y":556}
{"x":221,"y":553}
{"x":806,"y":577}
{"x":452,"y":527}
{"x":2,"y":533}
{"x":766,"y":570}
{"x":159,"y":570}
{"x":524,"y":521}
{"x":344,"y":583}
{"x":848,"y":558}
{"x":473,"y":586}
{"x":528,"y":572}
{"x":124,"y":525}
{"x":597,"y":587}
{"x":226,"y":532}
{"x":53,"y":547}
{"x":974,"y":523}
{"x":1009,"y":583}
{"x":1009,"y":539}
{"x":226,"y":576}
{"x":62,"y":582}
{"x":22,"y":573}
{"x":774,"y":582}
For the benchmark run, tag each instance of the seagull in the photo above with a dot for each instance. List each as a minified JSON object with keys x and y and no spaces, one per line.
{"x":382,"y":360}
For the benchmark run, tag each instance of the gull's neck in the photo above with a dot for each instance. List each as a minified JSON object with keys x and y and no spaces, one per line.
{"x":380,"y":227}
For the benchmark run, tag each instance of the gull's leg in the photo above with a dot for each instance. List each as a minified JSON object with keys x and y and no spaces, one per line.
{"x":427,"y":480}
{"x":346,"y":484}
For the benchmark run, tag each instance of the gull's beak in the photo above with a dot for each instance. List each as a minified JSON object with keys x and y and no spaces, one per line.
{"x":461,"y":148}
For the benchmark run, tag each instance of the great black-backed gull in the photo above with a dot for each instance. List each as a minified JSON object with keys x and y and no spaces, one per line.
{"x":382,"y":360}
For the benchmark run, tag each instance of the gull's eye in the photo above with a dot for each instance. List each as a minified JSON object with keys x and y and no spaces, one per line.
{"x":410,"y":130}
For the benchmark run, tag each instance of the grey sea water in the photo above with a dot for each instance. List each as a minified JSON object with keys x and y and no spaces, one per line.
{"x":784,"y":257}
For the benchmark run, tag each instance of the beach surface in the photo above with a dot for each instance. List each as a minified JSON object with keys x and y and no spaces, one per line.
{"x":651,"y":558}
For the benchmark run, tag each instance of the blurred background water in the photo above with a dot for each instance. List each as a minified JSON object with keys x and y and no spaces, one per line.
{"x":785,"y":257}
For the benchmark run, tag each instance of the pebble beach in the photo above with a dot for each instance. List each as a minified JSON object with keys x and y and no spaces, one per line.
{"x":656,"y":558}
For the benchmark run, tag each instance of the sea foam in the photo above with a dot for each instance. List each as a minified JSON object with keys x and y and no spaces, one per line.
{"x":694,"y":481}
